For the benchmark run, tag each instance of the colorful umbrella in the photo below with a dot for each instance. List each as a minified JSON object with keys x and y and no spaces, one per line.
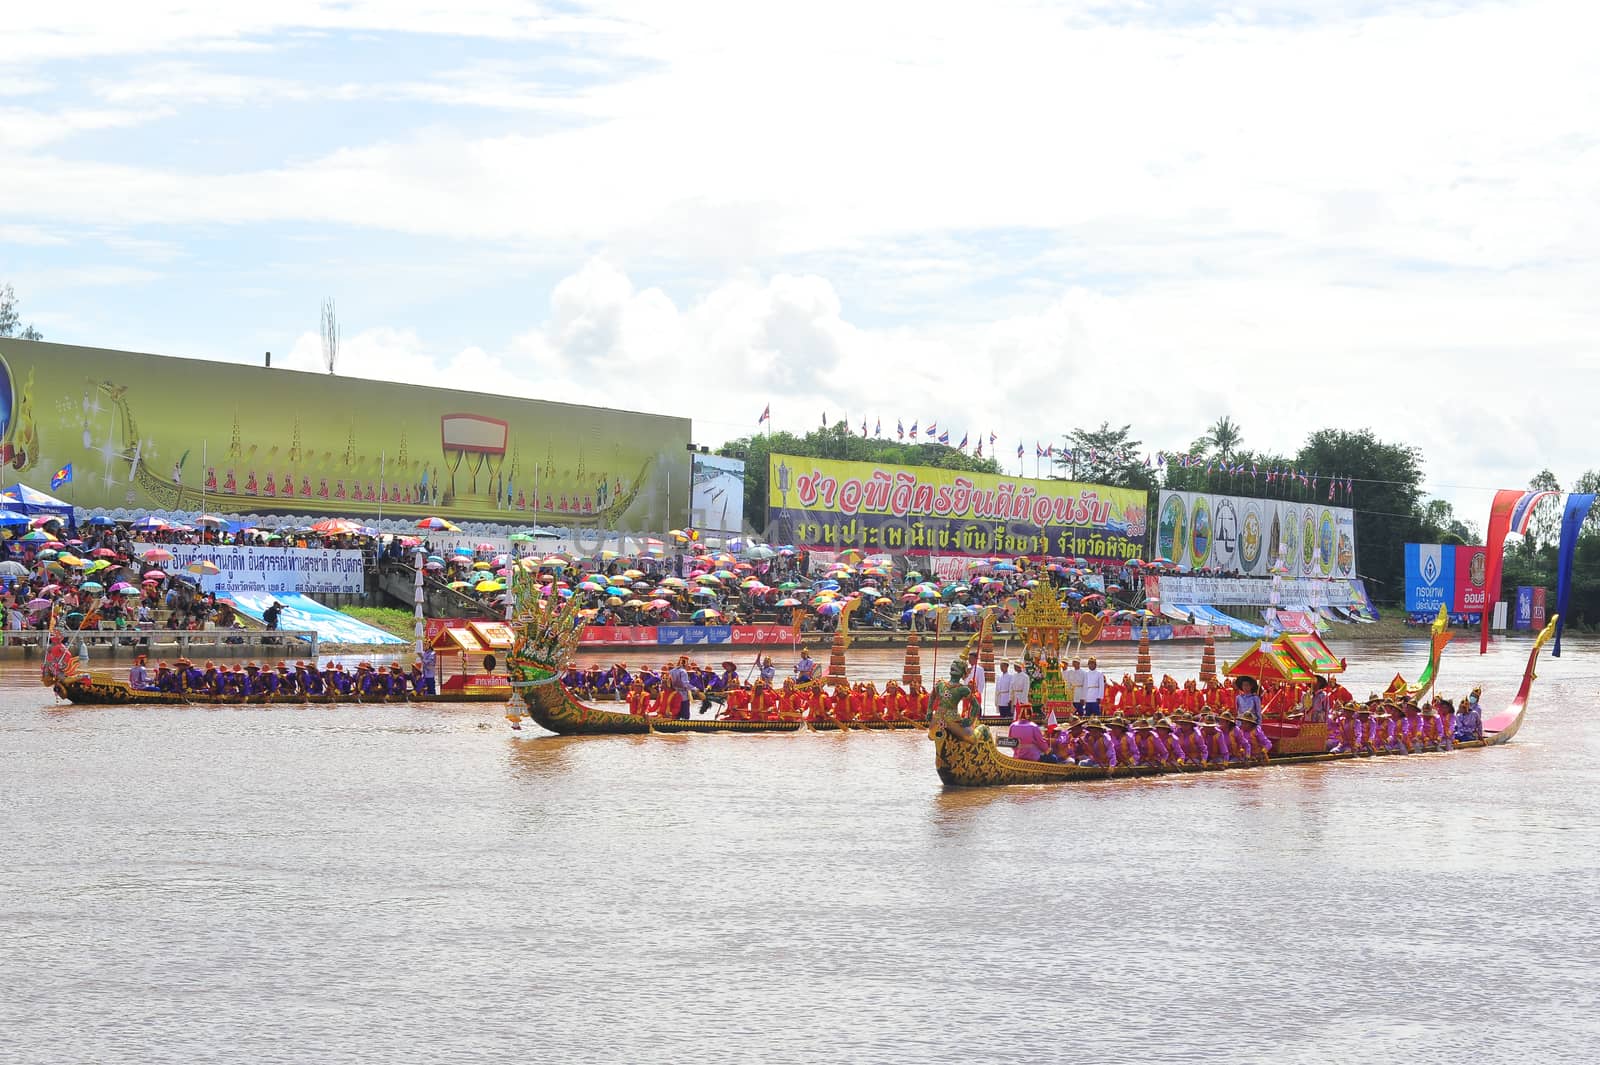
{"x":158,"y":554}
{"x":204,"y":567}
{"x":437,"y":525}
{"x":707,"y":615}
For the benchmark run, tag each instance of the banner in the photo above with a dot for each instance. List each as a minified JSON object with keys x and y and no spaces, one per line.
{"x":716,"y":500}
{"x":1538,"y":609}
{"x":1471,"y":580}
{"x":925,"y":510}
{"x":1430,"y":578}
{"x":1572,"y":518}
{"x":670,"y":635}
{"x":1509,"y":513}
{"x":1524,"y":615}
{"x":611,"y":635}
{"x":146,"y":432}
{"x":1255,"y":537}
{"x":307,"y":570}
{"x":1291,"y":592}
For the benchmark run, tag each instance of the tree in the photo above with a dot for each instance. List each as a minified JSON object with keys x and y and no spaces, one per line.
{"x":9,"y":319}
{"x":1544,"y":525}
{"x":1222,"y":439}
{"x":836,"y":442}
{"x":1442,"y":526}
{"x":1105,"y":456}
{"x":1387,"y":506}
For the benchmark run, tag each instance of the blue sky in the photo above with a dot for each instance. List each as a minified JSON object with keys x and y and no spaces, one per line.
{"x":1017,"y":217}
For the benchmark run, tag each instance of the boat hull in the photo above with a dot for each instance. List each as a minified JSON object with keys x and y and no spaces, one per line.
{"x":978,"y":763}
{"x":553,"y":707}
{"x":93,"y":689}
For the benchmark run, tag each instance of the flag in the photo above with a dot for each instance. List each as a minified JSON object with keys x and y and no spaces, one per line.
{"x":1572,"y":518}
{"x":877,"y":428}
{"x":963,"y":444}
{"x":61,"y":477}
{"x":824,"y":419}
{"x":900,"y":429}
{"x":1050,"y":452}
{"x":1509,"y":513}
{"x":992,"y":440}
{"x":933,"y":427}
{"x":1038,"y":450}
{"x":1330,"y":490}
{"x":944,"y":438}
{"x":913,"y":430}
{"x":979,"y":451}
{"x":1019,"y":449}
{"x":863,"y":428}
{"x":766,"y":415}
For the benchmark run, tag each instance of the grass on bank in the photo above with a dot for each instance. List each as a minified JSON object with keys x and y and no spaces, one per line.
{"x":393,"y":620}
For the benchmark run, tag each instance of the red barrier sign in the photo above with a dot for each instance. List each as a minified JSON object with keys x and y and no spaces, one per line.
{"x":618,"y":634}
{"x":762,"y":634}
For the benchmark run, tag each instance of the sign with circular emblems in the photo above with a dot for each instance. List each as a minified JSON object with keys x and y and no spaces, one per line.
{"x":1172,"y":530}
{"x":1252,"y":537}
{"x":1224,"y":533}
{"x":1200,"y":532}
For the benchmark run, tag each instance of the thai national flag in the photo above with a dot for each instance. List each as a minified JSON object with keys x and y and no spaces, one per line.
{"x":899,"y":428}
{"x":1019,"y":450}
{"x":766,"y":415}
{"x":963,"y":444}
{"x":944,"y":438}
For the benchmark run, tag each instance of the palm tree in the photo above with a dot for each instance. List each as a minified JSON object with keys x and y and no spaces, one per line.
{"x":1224,"y":437}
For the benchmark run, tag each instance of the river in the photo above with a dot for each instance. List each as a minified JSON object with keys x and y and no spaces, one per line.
{"x":419,"y":884}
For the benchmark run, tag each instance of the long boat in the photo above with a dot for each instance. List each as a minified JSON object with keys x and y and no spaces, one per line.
{"x":966,"y":755}
{"x":99,"y":689}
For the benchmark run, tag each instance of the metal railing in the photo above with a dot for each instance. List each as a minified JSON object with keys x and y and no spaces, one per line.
{"x":172,"y":643}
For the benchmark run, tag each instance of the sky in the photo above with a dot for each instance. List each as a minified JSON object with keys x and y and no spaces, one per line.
{"x":1004,"y":217}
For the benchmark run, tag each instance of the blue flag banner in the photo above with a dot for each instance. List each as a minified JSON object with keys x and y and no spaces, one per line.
{"x":1578,"y":505}
{"x":62,"y":476}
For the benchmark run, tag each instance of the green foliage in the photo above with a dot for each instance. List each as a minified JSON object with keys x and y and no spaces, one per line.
{"x":393,"y":620}
{"x":836,"y":442}
{"x":1104,"y":456}
{"x":10,"y":320}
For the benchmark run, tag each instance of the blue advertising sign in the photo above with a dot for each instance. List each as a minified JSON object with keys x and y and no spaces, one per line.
{"x":1524,"y":609}
{"x":691,"y":634}
{"x":1430,"y":577}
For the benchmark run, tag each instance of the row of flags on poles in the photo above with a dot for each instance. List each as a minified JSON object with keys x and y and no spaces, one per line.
{"x":1337,"y":486}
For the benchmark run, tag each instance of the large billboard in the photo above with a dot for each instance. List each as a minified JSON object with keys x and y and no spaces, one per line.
{"x":147,"y":432}
{"x":833,"y":503}
{"x":1448,"y":575}
{"x":1256,"y":537}
{"x":716,"y":503}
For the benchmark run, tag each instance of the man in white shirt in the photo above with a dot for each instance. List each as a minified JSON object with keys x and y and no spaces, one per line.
{"x":1021,"y":687}
{"x":1074,"y":681}
{"x":1002,"y":691}
{"x":1094,"y":688}
{"x":976,"y":679}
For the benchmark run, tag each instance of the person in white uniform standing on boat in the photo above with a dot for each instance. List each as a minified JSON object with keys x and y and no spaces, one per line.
{"x":1094,"y":688}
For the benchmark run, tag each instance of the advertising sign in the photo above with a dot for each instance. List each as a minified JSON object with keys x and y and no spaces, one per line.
{"x":307,"y":570}
{"x":1538,"y":609}
{"x":146,"y":432}
{"x":920,"y":510}
{"x":1290,"y":592}
{"x":1524,"y":620}
{"x":1471,"y":591}
{"x":1430,"y":577}
{"x":716,"y":502}
{"x":1250,"y":537}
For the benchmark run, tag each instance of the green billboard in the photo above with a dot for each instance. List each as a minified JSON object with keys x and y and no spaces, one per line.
{"x":149,"y":432}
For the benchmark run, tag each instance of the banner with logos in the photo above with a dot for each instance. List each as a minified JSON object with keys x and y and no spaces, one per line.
{"x":1287,"y":592}
{"x":673,"y":635}
{"x":303,"y":570}
{"x":1430,"y":578}
{"x":1472,"y":579}
{"x":834,"y":504}
{"x":1255,"y":537}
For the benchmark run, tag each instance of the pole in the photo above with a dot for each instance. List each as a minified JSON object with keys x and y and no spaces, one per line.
{"x":383,"y":487}
{"x":203,"y":460}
